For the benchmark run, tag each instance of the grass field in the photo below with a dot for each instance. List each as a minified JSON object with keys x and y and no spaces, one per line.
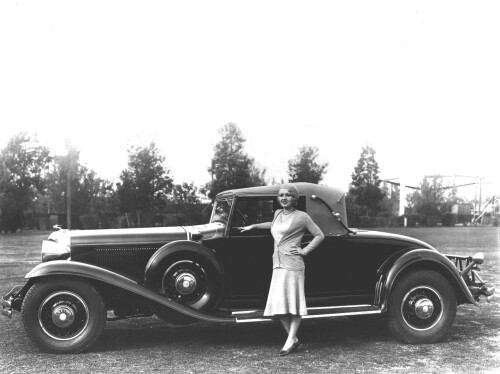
{"x":341,"y":345}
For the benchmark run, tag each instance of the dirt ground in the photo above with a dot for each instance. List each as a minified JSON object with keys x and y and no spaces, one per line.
{"x":342,"y":345}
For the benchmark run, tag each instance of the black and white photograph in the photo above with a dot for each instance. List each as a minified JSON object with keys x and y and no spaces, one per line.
{"x":249,"y":186}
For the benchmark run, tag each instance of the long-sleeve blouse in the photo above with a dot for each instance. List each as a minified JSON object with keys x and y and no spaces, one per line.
{"x":287,"y":233}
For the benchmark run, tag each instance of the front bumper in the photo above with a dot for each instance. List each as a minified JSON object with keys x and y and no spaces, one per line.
{"x":11,"y":301}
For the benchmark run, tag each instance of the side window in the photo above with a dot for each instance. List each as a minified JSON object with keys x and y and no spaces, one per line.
{"x":250,"y":211}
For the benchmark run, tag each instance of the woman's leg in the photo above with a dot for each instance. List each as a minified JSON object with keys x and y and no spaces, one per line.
{"x":292,"y":332}
{"x":285,"y":321}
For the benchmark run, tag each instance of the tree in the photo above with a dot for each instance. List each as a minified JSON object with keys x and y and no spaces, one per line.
{"x":145,"y":184}
{"x":304,"y":167}
{"x":365,"y":186}
{"x":231,"y":167}
{"x":23,"y":163}
{"x":429,"y":199}
{"x":187,"y":193}
{"x":87,"y":189}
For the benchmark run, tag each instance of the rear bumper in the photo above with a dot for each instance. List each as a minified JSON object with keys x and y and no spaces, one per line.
{"x":479,"y":288}
{"x":11,"y":302}
{"x":468,"y":267}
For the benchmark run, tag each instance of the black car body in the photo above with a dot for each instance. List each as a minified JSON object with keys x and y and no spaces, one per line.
{"x":216,"y":273}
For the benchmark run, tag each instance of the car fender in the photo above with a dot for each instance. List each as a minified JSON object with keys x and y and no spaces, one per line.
{"x":82,"y":270}
{"x":178,"y":247}
{"x":415,"y":258}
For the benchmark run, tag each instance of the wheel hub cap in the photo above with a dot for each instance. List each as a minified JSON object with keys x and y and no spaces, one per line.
{"x":63,"y":316}
{"x":424,"y":308}
{"x":185,"y":283}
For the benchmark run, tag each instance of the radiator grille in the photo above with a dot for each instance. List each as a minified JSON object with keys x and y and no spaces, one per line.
{"x":128,"y":260}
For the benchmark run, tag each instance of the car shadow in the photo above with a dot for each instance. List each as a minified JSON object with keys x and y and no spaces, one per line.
{"x":151,"y":332}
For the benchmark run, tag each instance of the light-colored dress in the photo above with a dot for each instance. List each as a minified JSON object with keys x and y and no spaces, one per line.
{"x":286,"y":292}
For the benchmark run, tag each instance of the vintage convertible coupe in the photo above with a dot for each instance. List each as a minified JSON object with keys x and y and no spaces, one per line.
{"x":216,"y":273}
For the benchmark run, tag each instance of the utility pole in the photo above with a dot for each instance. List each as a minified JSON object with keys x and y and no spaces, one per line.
{"x":480,"y":193}
{"x":402,"y":198}
{"x":72,"y":158}
{"x":68,"y":197}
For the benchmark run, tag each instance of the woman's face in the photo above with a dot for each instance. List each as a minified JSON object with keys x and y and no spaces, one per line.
{"x":285,"y":198}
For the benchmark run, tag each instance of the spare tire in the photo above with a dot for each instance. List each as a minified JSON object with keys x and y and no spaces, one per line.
{"x":188,"y":278}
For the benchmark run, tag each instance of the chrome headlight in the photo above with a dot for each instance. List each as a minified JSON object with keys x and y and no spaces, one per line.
{"x":57,"y":247}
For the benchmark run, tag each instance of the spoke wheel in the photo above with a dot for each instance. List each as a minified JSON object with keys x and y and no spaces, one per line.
{"x":185,"y":281}
{"x":422,"y":307}
{"x":63,"y":315}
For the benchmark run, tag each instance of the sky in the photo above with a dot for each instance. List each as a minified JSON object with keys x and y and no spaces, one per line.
{"x":419,"y":81}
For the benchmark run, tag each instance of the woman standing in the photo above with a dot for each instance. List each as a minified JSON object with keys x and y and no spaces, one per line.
{"x":286,"y":299}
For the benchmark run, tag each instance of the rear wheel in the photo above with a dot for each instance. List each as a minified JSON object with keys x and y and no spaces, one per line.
{"x":62,"y":315}
{"x":422,"y":307}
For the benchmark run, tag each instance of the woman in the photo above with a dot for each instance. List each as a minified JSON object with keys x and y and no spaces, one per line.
{"x":286,"y":299}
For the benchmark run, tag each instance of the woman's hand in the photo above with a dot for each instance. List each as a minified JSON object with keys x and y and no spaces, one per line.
{"x":295,"y":250}
{"x":245,"y":228}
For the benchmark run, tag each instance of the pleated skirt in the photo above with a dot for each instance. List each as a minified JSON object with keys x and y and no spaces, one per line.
{"x":286,"y":293}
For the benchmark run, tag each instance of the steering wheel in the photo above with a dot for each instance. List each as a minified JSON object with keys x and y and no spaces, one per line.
{"x":242,"y":216}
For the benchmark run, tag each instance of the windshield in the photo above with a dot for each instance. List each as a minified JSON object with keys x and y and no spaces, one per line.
{"x":221,"y":210}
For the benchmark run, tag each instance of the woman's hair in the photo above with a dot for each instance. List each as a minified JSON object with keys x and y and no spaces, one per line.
{"x":293,"y":190}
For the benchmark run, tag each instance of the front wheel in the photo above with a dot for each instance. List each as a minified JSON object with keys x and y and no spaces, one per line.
{"x":422,"y":307}
{"x":63,"y":315}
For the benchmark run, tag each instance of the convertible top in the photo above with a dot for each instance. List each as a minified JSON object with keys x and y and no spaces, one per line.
{"x":322,"y":216}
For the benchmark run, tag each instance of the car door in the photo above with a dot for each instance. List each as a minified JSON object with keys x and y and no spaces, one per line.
{"x":247,"y":257}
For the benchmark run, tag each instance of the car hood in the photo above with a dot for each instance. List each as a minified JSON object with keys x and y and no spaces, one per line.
{"x":150,"y":235}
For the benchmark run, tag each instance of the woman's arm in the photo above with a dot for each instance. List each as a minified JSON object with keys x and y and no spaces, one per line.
{"x":261,"y":226}
{"x":318,"y":236}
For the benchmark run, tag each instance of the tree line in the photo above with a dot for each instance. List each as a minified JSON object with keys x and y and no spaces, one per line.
{"x":35,"y":184}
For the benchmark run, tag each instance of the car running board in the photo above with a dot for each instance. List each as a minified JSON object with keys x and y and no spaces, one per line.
{"x":315,"y":312}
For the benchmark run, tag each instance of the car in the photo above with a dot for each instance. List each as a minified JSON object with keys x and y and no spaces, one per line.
{"x":218,"y":273}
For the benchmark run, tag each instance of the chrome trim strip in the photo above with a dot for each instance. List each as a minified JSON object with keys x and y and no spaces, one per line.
{"x":313,"y":308}
{"x":244,"y":312}
{"x":377,"y":299}
{"x":343,"y":314}
{"x":314,"y":316}
{"x":339,"y":307}
{"x":253,"y":320}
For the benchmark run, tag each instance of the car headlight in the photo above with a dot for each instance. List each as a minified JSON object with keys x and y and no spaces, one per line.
{"x":57,"y":247}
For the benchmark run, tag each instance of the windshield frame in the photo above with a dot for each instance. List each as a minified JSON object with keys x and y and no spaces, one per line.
{"x":228,"y":199}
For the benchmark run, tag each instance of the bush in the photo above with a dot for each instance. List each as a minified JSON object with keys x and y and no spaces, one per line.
{"x":44,"y":223}
{"x":53,"y":220}
{"x":412,"y":220}
{"x":496,"y":221}
{"x":123,"y":222}
{"x":381,"y":222}
{"x":89,"y":221}
{"x":395,"y":221}
{"x":449,"y":219}
{"x":366,"y":221}
{"x":430,"y":221}
{"x":109,"y":220}
{"x":11,"y":219}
